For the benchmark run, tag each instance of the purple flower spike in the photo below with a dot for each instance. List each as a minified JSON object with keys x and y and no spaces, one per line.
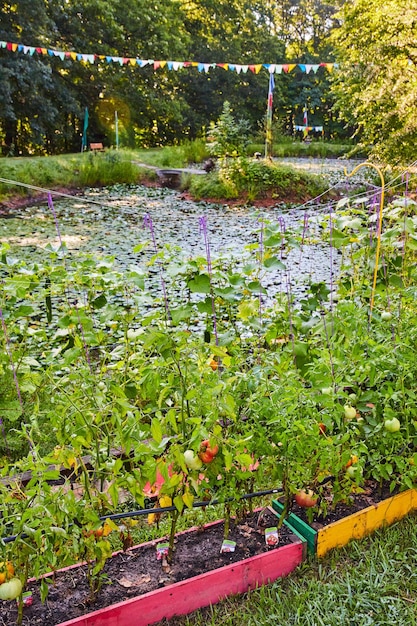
{"x":148,"y":223}
{"x":204,"y":231}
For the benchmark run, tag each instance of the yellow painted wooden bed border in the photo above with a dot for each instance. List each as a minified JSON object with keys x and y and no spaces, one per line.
{"x":364,"y":522}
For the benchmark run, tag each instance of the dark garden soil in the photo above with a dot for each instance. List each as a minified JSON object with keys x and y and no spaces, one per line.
{"x":137,"y":571}
{"x":370,"y":494}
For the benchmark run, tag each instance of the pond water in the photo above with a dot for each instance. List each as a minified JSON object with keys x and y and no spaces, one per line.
{"x":111,"y":222}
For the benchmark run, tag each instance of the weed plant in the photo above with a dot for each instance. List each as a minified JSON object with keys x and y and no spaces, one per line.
{"x":107,"y":169}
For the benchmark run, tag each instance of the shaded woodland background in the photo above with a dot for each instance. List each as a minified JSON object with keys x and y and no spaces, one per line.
{"x":370,"y":98}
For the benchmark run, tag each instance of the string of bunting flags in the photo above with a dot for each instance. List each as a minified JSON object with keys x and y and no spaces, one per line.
{"x":273,"y":68}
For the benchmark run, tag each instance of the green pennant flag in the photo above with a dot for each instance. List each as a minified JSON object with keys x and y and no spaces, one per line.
{"x":84,"y":139}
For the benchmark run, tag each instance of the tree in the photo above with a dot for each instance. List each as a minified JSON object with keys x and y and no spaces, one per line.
{"x":25,"y":80}
{"x":304,"y":27}
{"x":234,"y":31}
{"x":376,"y":85}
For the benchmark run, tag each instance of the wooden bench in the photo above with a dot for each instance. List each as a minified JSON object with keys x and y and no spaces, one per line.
{"x":96,"y":146}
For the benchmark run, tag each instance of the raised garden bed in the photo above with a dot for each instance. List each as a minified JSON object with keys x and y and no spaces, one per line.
{"x":140,"y":591}
{"x":323,"y":535}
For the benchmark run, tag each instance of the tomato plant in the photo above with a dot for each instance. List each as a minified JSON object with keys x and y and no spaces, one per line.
{"x":192,"y":460}
{"x":350,"y":412}
{"x":104,"y":376}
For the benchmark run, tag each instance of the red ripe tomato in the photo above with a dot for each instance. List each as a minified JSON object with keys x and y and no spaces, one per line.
{"x":207,"y":453}
{"x":306,"y":498}
{"x":322,"y":428}
{"x":206,"y":457}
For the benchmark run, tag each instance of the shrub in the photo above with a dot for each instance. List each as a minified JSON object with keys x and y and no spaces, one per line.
{"x":229,"y":137}
{"x":255,"y":179}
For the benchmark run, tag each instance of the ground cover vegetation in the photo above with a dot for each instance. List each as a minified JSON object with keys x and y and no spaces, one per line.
{"x":238,"y":177}
{"x":178,"y":379}
{"x":43,"y":98}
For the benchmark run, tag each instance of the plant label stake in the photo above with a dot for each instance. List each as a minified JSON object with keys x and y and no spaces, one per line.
{"x":227,"y":546}
{"x":271,"y":537}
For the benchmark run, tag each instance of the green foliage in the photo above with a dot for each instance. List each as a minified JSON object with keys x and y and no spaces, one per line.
{"x":43,"y":98}
{"x":104,"y":376}
{"x":107,"y":169}
{"x":299,"y":149}
{"x":228,"y":137}
{"x":188,"y":152}
{"x":375,"y":86}
{"x":253,"y":179}
{"x":69,"y":171}
{"x":223,"y":32}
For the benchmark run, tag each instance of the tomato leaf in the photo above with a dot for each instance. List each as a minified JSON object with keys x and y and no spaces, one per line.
{"x":156,"y":430}
{"x":179,"y":504}
{"x":188,"y":499}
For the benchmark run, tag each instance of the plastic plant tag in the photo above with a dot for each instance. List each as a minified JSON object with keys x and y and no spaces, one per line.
{"x":27,"y":598}
{"x":228,"y":546}
{"x":271,"y":537}
{"x":162,"y":550}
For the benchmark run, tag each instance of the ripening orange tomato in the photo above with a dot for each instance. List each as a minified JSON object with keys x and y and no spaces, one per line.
{"x":352,"y":461}
{"x":6,"y":571}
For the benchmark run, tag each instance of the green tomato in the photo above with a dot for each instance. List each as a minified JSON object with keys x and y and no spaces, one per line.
{"x":354,"y":472}
{"x":192,"y":460}
{"x":386,"y":316}
{"x":11,"y":589}
{"x":350,"y":412}
{"x":393,"y":425}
